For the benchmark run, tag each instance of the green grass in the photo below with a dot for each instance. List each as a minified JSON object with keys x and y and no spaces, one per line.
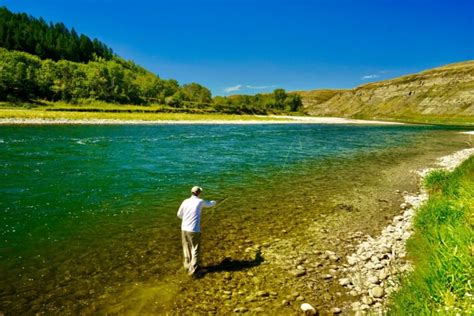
{"x":442,"y":248}
{"x":103,"y":110}
{"x":424,"y":119}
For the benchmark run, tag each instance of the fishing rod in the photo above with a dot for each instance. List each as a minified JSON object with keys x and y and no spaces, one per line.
{"x":213,"y":211}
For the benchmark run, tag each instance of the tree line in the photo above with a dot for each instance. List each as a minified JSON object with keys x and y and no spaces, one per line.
{"x":19,"y":31}
{"x":46,"y":61}
{"x":25,"y":77}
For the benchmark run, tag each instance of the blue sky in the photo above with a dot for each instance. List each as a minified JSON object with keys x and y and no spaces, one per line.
{"x":254,"y":46}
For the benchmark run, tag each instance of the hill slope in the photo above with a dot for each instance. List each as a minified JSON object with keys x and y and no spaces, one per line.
{"x":446,"y":91}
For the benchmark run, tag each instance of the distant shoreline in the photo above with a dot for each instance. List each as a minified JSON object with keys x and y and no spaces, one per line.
{"x":260,"y":119}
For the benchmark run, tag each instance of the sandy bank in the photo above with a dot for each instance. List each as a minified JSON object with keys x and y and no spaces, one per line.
{"x":273,"y":119}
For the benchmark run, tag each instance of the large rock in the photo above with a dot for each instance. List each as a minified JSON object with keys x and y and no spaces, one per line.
{"x":307,"y":309}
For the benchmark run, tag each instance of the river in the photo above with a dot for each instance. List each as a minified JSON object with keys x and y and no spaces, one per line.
{"x":88,"y":213}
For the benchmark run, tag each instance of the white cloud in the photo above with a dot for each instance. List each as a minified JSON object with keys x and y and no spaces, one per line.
{"x":378,"y":74}
{"x":233,"y":88}
{"x":247,"y":86}
{"x":367,"y":77}
{"x":259,"y":87}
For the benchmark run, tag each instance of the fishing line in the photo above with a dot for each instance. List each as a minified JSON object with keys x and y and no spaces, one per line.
{"x":213,"y":211}
{"x":291,"y":151}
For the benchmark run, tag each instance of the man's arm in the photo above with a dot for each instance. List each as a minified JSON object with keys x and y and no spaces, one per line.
{"x":180,"y":211}
{"x":208,"y":203}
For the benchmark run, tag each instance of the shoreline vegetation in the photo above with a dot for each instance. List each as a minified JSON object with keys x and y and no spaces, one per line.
{"x":441,"y":247}
{"x":98,"y":112}
{"x":28,"y":118}
{"x":422,"y":261}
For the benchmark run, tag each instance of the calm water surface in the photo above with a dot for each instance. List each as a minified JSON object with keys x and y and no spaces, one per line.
{"x":86,"y":209}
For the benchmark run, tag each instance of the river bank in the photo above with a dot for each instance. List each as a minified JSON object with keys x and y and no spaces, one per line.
{"x":373,"y":272}
{"x":302,"y":267}
{"x":180,"y":119}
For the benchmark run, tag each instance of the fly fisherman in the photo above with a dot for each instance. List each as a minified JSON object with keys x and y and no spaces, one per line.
{"x":190,"y":213}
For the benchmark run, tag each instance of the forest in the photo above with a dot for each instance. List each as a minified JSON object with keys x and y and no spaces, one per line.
{"x":48,"y":41}
{"x":41,"y":61}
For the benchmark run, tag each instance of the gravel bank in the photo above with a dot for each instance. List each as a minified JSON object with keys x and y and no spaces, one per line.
{"x":372,"y":272}
{"x":274,"y":120}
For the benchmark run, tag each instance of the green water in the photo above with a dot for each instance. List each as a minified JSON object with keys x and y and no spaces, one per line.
{"x":88,"y":212}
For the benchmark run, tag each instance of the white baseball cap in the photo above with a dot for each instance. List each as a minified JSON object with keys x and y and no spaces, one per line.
{"x":196,"y":189}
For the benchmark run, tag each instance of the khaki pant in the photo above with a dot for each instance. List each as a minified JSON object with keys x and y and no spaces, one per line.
{"x":191,"y":244}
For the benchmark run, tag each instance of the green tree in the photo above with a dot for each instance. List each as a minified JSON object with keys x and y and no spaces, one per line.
{"x":293,"y":102}
{"x":197,"y":93}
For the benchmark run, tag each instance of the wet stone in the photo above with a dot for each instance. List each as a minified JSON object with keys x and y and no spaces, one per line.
{"x":334,"y":258}
{"x":298,"y":272}
{"x":308,"y":309}
{"x":241,"y":309}
{"x":263,"y":294}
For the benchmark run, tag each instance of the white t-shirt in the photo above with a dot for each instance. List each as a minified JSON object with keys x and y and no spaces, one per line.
{"x":190,"y":213}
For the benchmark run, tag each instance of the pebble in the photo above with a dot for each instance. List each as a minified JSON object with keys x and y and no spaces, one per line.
{"x":373,"y":279}
{"x":262,"y":294}
{"x":256,"y":280}
{"x":383,"y":275}
{"x":308,"y":309}
{"x":377,"y":292}
{"x":241,"y":309}
{"x":285,"y":303}
{"x":336,"y":310}
{"x":298,"y":272}
{"x":327,"y":276}
{"x":330,"y":253}
{"x":334,"y":258}
{"x":344,"y":281}
{"x":367,"y":300}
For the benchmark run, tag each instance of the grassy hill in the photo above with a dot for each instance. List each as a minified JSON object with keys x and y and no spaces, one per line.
{"x":443,"y":95}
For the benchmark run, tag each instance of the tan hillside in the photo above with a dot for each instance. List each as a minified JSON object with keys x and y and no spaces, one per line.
{"x":446,"y":91}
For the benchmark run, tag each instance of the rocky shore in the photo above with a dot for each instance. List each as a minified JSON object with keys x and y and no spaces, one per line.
{"x":373,"y":271}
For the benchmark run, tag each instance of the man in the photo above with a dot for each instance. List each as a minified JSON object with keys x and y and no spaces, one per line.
{"x":190,"y":213}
